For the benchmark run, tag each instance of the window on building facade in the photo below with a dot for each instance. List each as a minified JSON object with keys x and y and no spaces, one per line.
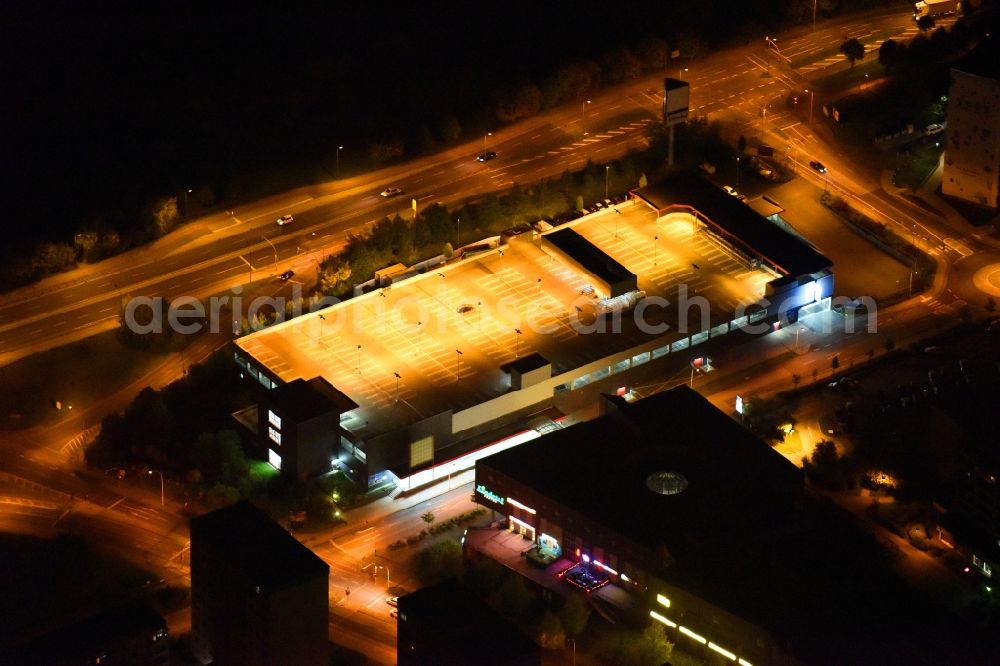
{"x":274,"y":435}
{"x":273,"y":419}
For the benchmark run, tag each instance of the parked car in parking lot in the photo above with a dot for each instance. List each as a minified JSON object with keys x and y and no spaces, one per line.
{"x":286,"y":276}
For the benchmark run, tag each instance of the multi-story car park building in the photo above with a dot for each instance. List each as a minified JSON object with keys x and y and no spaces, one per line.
{"x":438,"y":361}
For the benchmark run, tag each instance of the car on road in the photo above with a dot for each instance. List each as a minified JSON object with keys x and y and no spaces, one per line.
{"x":707,"y":167}
{"x":487,"y":156}
{"x":284,"y":219}
{"x":817,"y":166}
{"x":934,"y":128}
{"x":286,"y":276}
{"x":390,"y":192}
{"x":392,"y":601}
{"x":730,"y":190}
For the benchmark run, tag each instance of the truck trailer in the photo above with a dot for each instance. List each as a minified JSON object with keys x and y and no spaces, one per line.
{"x":935,"y":8}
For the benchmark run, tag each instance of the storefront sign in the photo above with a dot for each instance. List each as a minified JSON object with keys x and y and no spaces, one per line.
{"x":489,"y":494}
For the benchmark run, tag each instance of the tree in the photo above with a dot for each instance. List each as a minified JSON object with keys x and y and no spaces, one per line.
{"x":574,"y":615}
{"x":834,"y":363}
{"x":449,"y":130}
{"x":512,"y":598}
{"x":438,"y":562}
{"x":691,"y":44}
{"x":550,"y":632}
{"x":164,"y":214}
{"x":651,"y":647}
{"x":888,"y":52}
{"x":642,"y":180}
{"x":853,"y":50}
{"x":741,"y":143}
{"x":925,"y":23}
{"x":654,"y":53}
{"x":428,"y":517}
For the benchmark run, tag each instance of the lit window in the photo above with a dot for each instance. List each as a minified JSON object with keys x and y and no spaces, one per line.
{"x":273,"y":419}
{"x":274,"y":435}
{"x":274,"y":459}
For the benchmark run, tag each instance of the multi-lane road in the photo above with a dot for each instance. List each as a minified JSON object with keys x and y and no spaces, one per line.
{"x":743,"y":86}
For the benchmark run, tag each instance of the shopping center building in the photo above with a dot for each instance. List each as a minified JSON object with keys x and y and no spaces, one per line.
{"x":427,"y":368}
{"x":667,"y":499}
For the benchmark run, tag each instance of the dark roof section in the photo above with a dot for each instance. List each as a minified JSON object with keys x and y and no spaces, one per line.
{"x":257,"y":546}
{"x":734,"y":221}
{"x":302,"y":400}
{"x":525,"y":364}
{"x":83,"y":641}
{"x":984,"y":60}
{"x":733,"y":477}
{"x":588,"y":255}
{"x":462,"y":630}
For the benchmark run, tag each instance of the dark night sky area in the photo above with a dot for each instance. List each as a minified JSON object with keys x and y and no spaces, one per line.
{"x":109,"y":104}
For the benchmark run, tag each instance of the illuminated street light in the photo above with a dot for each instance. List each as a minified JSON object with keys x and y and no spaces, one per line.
{"x":458,"y":362}
{"x":488,"y":135}
{"x":583,"y":109}
{"x":458,"y":233}
{"x":396,"y":374}
{"x":680,"y":73}
{"x":517,"y":343}
{"x":153,"y":471}
{"x":337,"y":169}
{"x":359,"y":359}
{"x":811,"y":95}
{"x":655,"y":238}
{"x":607,"y":173}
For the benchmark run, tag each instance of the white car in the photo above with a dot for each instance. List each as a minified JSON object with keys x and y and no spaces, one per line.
{"x":285,"y":219}
{"x":729,"y":190}
{"x":392,"y":601}
{"x":934,"y":128}
{"x":390,"y":192}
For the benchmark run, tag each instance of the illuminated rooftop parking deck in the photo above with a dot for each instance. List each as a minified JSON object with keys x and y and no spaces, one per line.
{"x":436,"y":342}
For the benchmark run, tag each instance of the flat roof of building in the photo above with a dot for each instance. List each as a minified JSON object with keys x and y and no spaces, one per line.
{"x":416,"y":327}
{"x":984,"y":60}
{"x":302,"y":399}
{"x":734,"y":220}
{"x":739,"y":535}
{"x":464,"y":629}
{"x":591,"y":257}
{"x":729,"y":471}
{"x":257,"y":546}
{"x":83,"y":641}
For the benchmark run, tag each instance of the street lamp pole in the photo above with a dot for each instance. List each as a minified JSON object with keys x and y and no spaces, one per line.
{"x":396,"y":374}
{"x":337,"y":172}
{"x":572,"y":641}
{"x":488,"y":134}
{"x":607,"y":173}
{"x":517,"y":343}
{"x":154,"y":471}
{"x":811,"y":95}
{"x":737,"y":173}
{"x":680,"y":73}
{"x":814,"y":15}
{"x":655,"y":238}
{"x":583,"y":109}
{"x":458,"y":233}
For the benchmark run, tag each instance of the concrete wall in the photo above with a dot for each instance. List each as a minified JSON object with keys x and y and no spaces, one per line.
{"x":972,"y":150}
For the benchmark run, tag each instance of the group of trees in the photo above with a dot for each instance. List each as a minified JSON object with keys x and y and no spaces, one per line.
{"x":437,"y":229}
{"x":185,"y":432}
